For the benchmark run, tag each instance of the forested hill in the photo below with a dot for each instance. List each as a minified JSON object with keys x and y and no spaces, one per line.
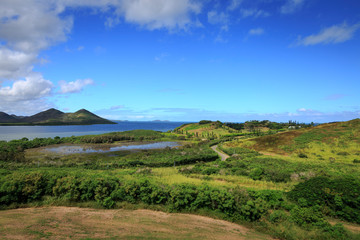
{"x":54,"y":117}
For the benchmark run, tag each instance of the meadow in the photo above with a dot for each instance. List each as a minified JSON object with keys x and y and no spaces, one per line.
{"x":296,"y":184}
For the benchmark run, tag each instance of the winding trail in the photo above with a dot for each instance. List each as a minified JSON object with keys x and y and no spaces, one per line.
{"x":223,"y":156}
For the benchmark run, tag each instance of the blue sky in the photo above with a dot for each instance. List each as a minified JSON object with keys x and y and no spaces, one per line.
{"x":182,"y":60}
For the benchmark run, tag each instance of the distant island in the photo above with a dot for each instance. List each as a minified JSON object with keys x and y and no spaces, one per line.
{"x":53,"y":117}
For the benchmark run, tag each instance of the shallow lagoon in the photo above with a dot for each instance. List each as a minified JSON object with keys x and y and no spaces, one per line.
{"x":72,"y":149}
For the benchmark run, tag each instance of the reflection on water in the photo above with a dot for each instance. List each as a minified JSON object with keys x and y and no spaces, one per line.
{"x":104,"y":149}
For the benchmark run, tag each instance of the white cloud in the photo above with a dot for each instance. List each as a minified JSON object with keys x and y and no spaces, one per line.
{"x":156,"y":14}
{"x":74,"y":87}
{"x":302,"y":110}
{"x":218,"y":18}
{"x":256,"y":31}
{"x":26,"y":107}
{"x":331,"y":35}
{"x":255,"y":13}
{"x":221,"y":19}
{"x":33,"y":87}
{"x":291,"y":6}
{"x":15,"y":64}
{"x":31,"y":26}
{"x":234,"y":5}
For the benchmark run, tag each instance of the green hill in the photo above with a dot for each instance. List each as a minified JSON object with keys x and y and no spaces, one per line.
{"x":55,"y":117}
{"x":205,"y":129}
{"x":325,"y":141}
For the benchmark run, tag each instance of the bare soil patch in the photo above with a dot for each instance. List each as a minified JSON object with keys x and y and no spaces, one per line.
{"x":222,"y":155}
{"x":83,"y":223}
{"x":352,"y":227}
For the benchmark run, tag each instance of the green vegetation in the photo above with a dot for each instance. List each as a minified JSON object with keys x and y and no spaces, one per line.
{"x":255,"y":125}
{"x":274,"y":183}
{"x":331,"y":142}
{"x":207,"y":130}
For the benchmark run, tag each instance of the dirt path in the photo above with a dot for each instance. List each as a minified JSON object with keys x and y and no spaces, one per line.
{"x":83,"y":223}
{"x":223,"y":156}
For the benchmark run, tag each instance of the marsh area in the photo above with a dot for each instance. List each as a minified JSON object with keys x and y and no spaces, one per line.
{"x":104,"y":148}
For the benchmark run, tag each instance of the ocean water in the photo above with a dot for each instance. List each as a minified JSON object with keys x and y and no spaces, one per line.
{"x":8,"y":133}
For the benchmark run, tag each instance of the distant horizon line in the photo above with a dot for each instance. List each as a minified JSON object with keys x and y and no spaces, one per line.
{"x":217,"y":120}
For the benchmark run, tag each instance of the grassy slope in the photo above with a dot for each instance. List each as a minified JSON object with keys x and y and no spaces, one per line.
{"x":206,"y":130}
{"x":330,"y":141}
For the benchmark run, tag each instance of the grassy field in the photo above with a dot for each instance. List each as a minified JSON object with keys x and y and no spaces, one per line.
{"x":84,"y":223}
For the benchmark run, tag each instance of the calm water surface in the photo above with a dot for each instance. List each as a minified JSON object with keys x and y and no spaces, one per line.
{"x":17,"y":132}
{"x":94,"y":149}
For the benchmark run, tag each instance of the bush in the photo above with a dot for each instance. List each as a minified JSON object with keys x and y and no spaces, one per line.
{"x":256,"y":173}
{"x":278,"y":216}
{"x":254,"y":209}
{"x":302,"y":155}
{"x":341,"y":196}
{"x":205,"y":122}
{"x":308,"y":217}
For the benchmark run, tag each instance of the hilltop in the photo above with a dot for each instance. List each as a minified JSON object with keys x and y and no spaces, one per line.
{"x":206,"y":129}
{"x":54,"y":117}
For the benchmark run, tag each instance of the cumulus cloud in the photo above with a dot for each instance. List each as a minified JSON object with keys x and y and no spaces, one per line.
{"x":256,"y":31}
{"x":75,"y":86}
{"x":291,"y":6}
{"x":31,"y":26}
{"x":331,"y":35}
{"x":15,"y":64}
{"x":33,"y":87}
{"x":155,"y":14}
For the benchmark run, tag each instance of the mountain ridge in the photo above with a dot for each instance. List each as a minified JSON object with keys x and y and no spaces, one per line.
{"x":53,"y":116}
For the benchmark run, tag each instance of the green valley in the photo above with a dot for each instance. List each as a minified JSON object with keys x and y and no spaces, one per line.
{"x":285,"y":182}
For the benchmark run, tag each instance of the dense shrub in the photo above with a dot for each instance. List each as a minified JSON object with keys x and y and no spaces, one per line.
{"x":204,"y":122}
{"x":107,"y":190}
{"x":341,"y":196}
{"x":278,"y":216}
